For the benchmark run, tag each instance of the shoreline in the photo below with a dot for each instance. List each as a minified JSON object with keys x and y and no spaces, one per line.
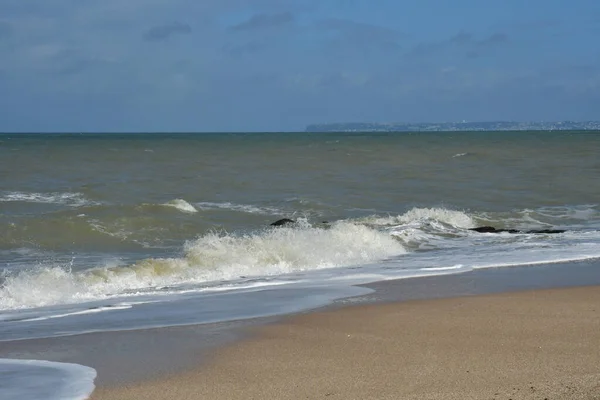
{"x":128,"y":357}
{"x":539,"y":344}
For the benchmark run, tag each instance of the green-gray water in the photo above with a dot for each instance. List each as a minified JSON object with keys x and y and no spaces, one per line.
{"x":125,"y":224}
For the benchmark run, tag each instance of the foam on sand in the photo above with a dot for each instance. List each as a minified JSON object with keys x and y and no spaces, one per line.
{"x":45,"y":380}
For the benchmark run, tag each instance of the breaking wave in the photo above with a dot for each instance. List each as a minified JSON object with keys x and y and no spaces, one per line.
{"x":215,"y":257}
{"x":211,"y":257}
{"x":181,"y":205}
{"x":454,"y":218}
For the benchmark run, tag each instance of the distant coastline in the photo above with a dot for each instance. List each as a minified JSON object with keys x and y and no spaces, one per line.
{"x":455,"y":126}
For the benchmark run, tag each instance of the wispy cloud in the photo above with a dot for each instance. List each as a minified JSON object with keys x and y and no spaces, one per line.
{"x":163,"y":32}
{"x":239,"y":50}
{"x":461,"y":42}
{"x":5,"y":30}
{"x":494,"y":39}
{"x":359,"y":31}
{"x":345,"y":40}
{"x":536,"y":25}
{"x":262,"y":21}
{"x":461,"y":37}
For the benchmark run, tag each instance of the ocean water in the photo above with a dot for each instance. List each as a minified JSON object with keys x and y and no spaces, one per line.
{"x":117,"y":232}
{"x":30,"y":379}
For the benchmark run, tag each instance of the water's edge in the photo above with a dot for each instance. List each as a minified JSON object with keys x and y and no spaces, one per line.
{"x":124,"y":357}
{"x":35,"y":379}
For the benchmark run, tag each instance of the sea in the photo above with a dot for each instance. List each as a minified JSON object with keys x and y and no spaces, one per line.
{"x":110,"y":232}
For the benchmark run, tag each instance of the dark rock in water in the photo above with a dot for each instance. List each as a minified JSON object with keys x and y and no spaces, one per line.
{"x":491,"y":229}
{"x":291,"y":222}
{"x":486,"y":229}
{"x":547,"y":231}
{"x":283,"y":222}
{"x":483,"y":229}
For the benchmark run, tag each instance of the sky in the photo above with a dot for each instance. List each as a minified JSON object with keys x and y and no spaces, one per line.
{"x":279,"y":65}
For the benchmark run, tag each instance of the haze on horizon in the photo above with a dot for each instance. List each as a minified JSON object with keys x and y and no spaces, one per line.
{"x":269,"y":65}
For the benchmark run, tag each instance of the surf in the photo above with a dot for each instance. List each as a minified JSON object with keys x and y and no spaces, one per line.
{"x":213,"y":257}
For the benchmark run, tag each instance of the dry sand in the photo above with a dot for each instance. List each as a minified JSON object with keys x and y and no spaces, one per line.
{"x":530,"y":345}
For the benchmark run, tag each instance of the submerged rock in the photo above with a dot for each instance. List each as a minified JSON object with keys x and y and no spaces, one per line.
{"x":547,"y":231}
{"x":491,"y":229}
{"x":283,"y":222}
{"x":480,"y":229}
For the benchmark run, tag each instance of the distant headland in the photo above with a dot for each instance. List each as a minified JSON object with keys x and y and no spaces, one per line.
{"x":455,"y":126}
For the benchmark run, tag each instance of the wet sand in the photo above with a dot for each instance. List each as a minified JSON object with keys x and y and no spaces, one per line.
{"x":541,"y":344}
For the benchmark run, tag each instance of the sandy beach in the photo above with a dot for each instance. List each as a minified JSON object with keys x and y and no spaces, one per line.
{"x":541,"y":344}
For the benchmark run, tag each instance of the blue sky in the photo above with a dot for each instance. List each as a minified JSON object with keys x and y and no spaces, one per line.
{"x":232,"y":65}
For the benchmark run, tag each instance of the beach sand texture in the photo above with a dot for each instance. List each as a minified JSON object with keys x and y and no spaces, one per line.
{"x":528,"y":345}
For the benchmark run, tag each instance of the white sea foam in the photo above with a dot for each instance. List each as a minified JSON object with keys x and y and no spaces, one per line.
{"x":569,"y":217}
{"x":116,"y":232}
{"x":45,"y":380}
{"x":452,"y":268}
{"x":245,"y":208}
{"x":69,"y":199}
{"x":538,"y":259}
{"x":458,"y":219}
{"x":212,"y":257}
{"x":181,"y":205}
{"x":460,"y":155}
{"x":223,"y":277}
{"x":81,"y":312}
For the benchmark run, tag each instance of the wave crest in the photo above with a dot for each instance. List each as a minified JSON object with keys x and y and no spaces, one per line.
{"x":181,"y":205}
{"x":458,"y":219}
{"x":211,"y":257}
